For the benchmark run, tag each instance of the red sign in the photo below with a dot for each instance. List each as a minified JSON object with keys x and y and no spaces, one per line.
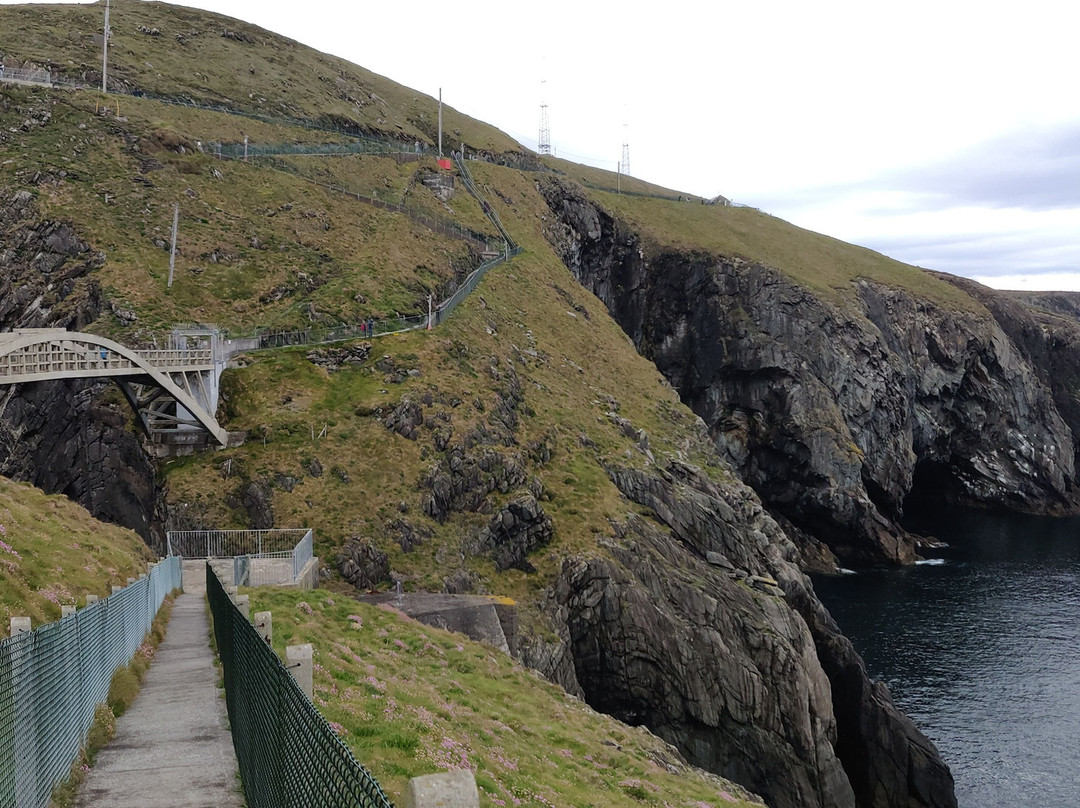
{"x":444,"y":162}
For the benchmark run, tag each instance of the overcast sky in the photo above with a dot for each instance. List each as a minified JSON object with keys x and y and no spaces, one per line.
{"x":944,"y":133}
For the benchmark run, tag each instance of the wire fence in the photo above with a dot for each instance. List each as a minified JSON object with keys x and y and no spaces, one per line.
{"x":287,"y":752}
{"x":230,"y":543}
{"x":51,"y":680}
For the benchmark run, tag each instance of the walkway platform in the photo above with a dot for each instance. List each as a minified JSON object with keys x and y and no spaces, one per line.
{"x":173,"y":746}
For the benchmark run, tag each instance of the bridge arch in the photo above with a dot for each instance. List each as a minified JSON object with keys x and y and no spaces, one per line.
{"x":173,"y":391}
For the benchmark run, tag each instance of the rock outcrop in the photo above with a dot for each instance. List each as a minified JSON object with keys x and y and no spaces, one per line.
{"x":754,"y":683}
{"x":61,"y":435}
{"x":835,"y":413}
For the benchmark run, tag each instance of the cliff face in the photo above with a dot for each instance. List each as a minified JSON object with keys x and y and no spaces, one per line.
{"x":61,"y":436}
{"x":834,"y":414}
{"x":704,"y":629}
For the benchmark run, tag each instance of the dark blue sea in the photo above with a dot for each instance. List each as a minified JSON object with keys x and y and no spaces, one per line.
{"x":981,"y":647}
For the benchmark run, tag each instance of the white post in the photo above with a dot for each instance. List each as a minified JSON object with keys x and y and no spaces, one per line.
{"x":440,"y":122}
{"x":618,"y":174}
{"x":245,"y":147}
{"x":243,"y":603}
{"x":264,"y":625}
{"x":91,"y":599}
{"x":105,"y":52}
{"x":20,"y":625}
{"x":66,"y":611}
{"x":298,"y":659}
{"x":430,"y":325}
{"x":172,"y":252}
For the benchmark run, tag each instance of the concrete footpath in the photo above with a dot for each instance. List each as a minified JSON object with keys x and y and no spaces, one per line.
{"x":173,"y":747}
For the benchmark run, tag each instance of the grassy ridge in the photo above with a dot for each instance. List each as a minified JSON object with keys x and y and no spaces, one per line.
{"x":412,"y":700}
{"x":249,"y":69}
{"x":53,"y":553}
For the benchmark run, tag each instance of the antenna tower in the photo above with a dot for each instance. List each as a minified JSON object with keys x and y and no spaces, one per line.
{"x":545,"y":127}
{"x":625,"y":152}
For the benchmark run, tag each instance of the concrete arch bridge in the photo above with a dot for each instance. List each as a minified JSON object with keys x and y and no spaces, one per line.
{"x":173,"y":391}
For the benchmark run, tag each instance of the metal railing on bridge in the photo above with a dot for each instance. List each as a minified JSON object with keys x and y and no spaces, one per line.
{"x":51,"y":680}
{"x":287,"y":752}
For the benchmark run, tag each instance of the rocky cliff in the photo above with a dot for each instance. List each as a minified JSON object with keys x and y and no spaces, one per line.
{"x":836,"y":413}
{"x":698,"y":624}
{"x":63,"y":436}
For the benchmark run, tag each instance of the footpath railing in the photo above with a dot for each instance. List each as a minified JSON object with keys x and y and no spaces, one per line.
{"x":229,"y":543}
{"x":276,"y":567}
{"x":287,"y":752}
{"x":466,"y":176}
{"x":51,"y":679}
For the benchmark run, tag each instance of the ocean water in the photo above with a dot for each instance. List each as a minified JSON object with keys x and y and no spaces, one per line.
{"x":981,"y":647}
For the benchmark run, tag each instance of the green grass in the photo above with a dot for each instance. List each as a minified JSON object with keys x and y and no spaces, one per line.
{"x":412,"y":700}
{"x":53,"y":553}
{"x":262,"y":73}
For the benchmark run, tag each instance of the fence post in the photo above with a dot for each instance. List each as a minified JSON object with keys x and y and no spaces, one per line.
{"x":243,"y":604}
{"x":66,"y":611}
{"x":91,"y":599}
{"x":264,"y":624}
{"x":20,"y":625}
{"x":299,"y":660}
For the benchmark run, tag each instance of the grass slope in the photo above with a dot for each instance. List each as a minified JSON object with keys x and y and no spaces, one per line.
{"x":412,"y":700}
{"x":53,"y":553}
{"x":224,"y":61}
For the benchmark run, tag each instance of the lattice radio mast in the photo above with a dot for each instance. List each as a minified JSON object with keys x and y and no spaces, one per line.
{"x":625,"y":152}
{"x":545,"y":127}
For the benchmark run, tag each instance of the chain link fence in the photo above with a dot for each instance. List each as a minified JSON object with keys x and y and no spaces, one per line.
{"x":51,"y":680}
{"x":289,"y":757}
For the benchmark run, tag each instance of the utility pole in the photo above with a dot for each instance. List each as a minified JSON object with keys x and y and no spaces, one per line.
{"x":172,"y":253}
{"x":105,"y":52}
{"x":440,"y":122}
{"x":618,"y":178}
{"x":429,"y":323}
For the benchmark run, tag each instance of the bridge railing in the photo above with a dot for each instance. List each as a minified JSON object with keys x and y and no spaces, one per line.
{"x":230,"y":543}
{"x":287,"y":752}
{"x":51,"y":679}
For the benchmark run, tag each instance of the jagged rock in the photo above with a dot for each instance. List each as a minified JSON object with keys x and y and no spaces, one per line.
{"x":461,"y":582}
{"x":362,"y":564}
{"x":256,"y":501}
{"x":462,"y":480}
{"x":333,"y":359}
{"x":875,"y":742}
{"x":314,"y":467}
{"x":407,"y":535}
{"x":405,"y":418}
{"x":514,"y":532}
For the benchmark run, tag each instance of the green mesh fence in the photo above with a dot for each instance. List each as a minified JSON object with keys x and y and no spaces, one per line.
{"x":52,"y":678}
{"x":289,"y":756}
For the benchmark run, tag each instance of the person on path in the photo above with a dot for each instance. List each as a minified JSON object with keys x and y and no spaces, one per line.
{"x":371,"y":327}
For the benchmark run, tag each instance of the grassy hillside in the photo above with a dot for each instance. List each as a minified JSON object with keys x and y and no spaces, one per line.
{"x":412,"y":700}
{"x":219,"y":60}
{"x":53,"y":554}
